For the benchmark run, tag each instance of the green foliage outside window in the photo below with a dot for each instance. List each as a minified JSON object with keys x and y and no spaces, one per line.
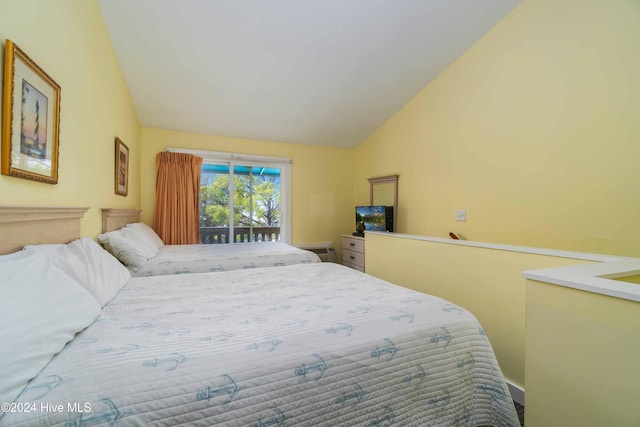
{"x":260,"y":209}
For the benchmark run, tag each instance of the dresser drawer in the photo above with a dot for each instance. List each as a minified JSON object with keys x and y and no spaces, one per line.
{"x":353,"y":252}
{"x":352,"y":257}
{"x":356,"y":245}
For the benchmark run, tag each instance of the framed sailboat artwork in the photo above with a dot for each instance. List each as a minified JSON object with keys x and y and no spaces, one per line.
{"x":30,"y":119}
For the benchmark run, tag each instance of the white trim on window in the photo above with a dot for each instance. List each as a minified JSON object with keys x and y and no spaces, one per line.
{"x":233,"y":159}
{"x":218,"y":156}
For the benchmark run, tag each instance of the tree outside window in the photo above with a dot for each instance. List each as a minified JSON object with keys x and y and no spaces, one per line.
{"x":255,"y":194}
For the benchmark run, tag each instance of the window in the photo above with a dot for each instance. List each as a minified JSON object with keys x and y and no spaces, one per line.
{"x":239,"y":203}
{"x":243,"y":198}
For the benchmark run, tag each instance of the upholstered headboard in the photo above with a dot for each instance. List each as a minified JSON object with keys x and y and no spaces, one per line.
{"x":32,"y":225}
{"x":112,"y":219}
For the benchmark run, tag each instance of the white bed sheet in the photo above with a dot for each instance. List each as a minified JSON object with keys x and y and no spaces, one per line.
{"x":184,"y":259}
{"x":302,"y":345}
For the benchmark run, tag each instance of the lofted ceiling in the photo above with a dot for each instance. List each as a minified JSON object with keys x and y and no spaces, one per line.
{"x":321,"y":72}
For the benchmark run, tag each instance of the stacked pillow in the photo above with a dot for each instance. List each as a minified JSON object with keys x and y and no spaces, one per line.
{"x":52,"y":292}
{"x":89,"y":265}
{"x":41,"y":309}
{"x":133,"y":245}
{"x":147,"y":234}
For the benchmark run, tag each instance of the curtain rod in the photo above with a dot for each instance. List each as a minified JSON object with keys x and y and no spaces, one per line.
{"x":223,"y":156}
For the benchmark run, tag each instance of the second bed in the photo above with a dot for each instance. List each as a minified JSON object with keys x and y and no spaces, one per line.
{"x":141,"y":250}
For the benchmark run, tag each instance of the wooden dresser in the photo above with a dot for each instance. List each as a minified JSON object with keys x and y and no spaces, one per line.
{"x":353,"y":252}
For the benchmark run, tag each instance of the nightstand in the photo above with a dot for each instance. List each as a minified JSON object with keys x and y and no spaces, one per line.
{"x":353,"y":252}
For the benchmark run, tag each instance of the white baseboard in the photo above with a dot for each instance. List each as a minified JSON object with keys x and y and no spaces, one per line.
{"x":517,"y":393}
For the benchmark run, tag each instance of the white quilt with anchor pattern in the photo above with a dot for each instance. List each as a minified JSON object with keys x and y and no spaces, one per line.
{"x":302,"y":345}
{"x":184,"y":259}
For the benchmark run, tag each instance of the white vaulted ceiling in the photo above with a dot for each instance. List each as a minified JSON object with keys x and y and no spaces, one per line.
{"x":323,"y":72}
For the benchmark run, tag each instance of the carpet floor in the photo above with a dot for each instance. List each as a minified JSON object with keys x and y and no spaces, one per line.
{"x":520,"y":411}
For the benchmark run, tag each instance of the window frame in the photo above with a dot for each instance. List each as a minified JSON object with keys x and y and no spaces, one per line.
{"x":233,"y":159}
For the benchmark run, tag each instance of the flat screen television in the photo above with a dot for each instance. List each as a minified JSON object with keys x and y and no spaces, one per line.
{"x":374,"y":218}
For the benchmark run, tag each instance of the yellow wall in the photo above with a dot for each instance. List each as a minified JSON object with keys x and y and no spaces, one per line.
{"x":68,"y":39}
{"x":582,"y":358}
{"x":630,"y":279}
{"x":487,"y":282}
{"x":534,"y":131}
{"x":322,"y":200}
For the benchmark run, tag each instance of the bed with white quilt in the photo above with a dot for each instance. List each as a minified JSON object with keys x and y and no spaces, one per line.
{"x":140,"y":249}
{"x":301,"y":345}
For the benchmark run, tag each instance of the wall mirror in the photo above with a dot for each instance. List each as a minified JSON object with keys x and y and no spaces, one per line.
{"x":384,"y":192}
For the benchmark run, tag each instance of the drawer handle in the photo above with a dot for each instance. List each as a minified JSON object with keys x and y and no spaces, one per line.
{"x":352,"y":244}
{"x":352,"y":257}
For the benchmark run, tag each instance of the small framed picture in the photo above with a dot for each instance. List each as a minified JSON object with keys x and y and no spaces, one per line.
{"x":122,"y":167}
{"x":30,"y":119}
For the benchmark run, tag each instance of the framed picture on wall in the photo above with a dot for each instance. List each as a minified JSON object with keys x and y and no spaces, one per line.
{"x":122,"y":167}
{"x":30,"y":119}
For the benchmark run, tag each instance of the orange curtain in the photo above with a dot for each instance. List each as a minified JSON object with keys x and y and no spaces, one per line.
{"x":176,"y":218}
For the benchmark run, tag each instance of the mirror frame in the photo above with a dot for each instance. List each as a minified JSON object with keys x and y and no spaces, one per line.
{"x":393,"y":179}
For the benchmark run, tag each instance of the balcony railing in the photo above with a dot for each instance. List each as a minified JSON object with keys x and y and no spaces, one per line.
{"x":215,"y":235}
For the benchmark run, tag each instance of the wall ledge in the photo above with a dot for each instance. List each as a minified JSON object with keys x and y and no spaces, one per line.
{"x":596,"y":277}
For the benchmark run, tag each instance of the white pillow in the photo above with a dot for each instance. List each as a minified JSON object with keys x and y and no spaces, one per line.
{"x":41,"y":309}
{"x":128,"y":247}
{"x":147,"y":234}
{"x":89,"y":265}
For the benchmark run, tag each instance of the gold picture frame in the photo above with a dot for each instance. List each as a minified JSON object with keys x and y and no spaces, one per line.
{"x":30,"y":119}
{"x":122,"y":168}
